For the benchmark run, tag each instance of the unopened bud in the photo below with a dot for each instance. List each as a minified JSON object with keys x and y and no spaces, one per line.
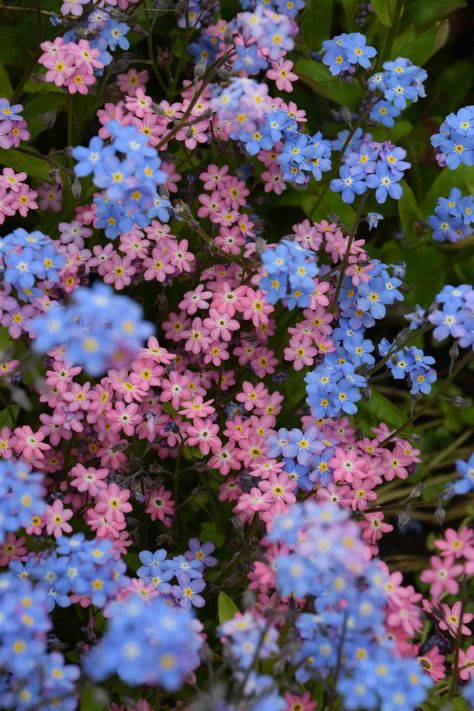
{"x":440,"y":515}
{"x":403,"y":520}
{"x":459,"y":401}
{"x":200,"y":68}
{"x":76,"y":188}
{"x":454,"y":351}
{"x":346,"y":115}
{"x":416,"y":491}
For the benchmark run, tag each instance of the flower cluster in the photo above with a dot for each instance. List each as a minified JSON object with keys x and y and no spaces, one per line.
{"x":289,"y":274}
{"x":13,"y":128}
{"x":454,"y":315}
{"x":369,"y":164}
{"x":344,"y":52}
{"x":130,"y":182}
{"x":400,"y":81}
{"x":22,"y":496}
{"x":410,"y":363}
{"x":34,"y":675}
{"x":97,"y":329}
{"x":147,"y":643}
{"x":453,"y":217}
{"x":455,"y":141}
{"x":325,"y":559}
{"x":70,"y":65}
{"x":30,"y":262}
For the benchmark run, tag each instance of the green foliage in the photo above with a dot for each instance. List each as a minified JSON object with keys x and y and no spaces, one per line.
{"x":320,"y":79}
{"x":226,"y":607}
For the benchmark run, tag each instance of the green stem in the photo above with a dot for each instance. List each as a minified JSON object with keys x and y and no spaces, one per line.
{"x":462,"y":363}
{"x":345,"y":260}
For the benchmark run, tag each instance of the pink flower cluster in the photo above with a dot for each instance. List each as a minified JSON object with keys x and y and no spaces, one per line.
{"x":69,"y":64}
{"x":15,"y":195}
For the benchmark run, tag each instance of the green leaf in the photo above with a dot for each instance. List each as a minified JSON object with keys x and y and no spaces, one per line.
{"x":6,"y":420}
{"x":319,"y":78}
{"x":350,"y":11}
{"x":5,"y":86}
{"x":453,"y":85}
{"x":316,"y":23}
{"x":93,"y":698}
{"x":424,"y":12}
{"x":420,"y":46}
{"x":36,"y":166}
{"x":385,"y":11}
{"x":209,"y":532}
{"x":462,"y":178}
{"x":409,"y":211}
{"x":380,"y":409}
{"x":226,"y":608}
{"x":37,"y":109}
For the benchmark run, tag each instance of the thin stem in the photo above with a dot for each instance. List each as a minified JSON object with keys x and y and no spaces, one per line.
{"x":463,"y":362}
{"x":177,"y":471}
{"x":345,"y":260}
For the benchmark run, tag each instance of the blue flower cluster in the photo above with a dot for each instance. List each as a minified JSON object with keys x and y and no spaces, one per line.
{"x":31,"y":677}
{"x":412,"y":364}
{"x":335,"y":385}
{"x":327,"y":562}
{"x":301,"y":155}
{"x":147,"y":642}
{"x":77,"y":566}
{"x":368,"y":164}
{"x":468,"y":692}
{"x":248,"y":639}
{"x":27,"y":259}
{"x":344,"y":52}
{"x":188,"y":570}
{"x":305,"y":453}
{"x":289,"y":274}
{"x":97,"y":329}
{"x":465,"y":484}
{"x":128,"y":169}
{"x":454,"y":316}
{"x":21,"y":496}
{"x":455,"y":140}
{"x":399,"y":82}
{"x":453,"y":217}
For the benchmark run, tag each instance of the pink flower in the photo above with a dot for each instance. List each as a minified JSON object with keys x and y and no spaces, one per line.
{"x":433,"y":663}
{"x":203,"y":434}
{"x":455,"y":543}
{"x":56,"y":518}
{"x":452,"y":619}
{"x":160,"y":505}
{"x":466,"y":663}
{"x":252,"y":396}
{"x":442,"y":576}
{"x":299,"y":703}
{"x":301,"y":353}
{"x":112,"y":502}
{"x":124,"y":417}
{"x":29,"y":444}
{"x":282,"y":74}
{"x":88,"y":479}
{"x":12,"y":548}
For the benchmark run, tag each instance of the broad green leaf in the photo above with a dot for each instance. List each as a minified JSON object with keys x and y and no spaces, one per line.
{"x":35,"y":87}
{"x":420,"y":46}
{"x":6,"y":420}
{"x":36,"y":166}
{"x":5,"y":86}
{"x":11,"y":44}
{"x":350,"y":11}
{"x":38,"y":108}
{"x":462,"y":178}
{"x":316,"y":23}
{"x":226,"y":608}
{"x":93,"y":698}
{"x":424,"y":12}
{"x":409,"y":211}
{"x":385,"y":11}
{"x":453,"y":85}
{"x":380,"y":409}
{"x":319,"y":78}
{"x":394,"y":134}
